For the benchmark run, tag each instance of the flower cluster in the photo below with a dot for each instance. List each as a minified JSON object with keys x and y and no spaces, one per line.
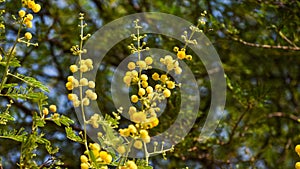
{"x":83,"y":66}
{"x":26,"y":19}
{"x":297,"y":149}
{"x":102,"y":157}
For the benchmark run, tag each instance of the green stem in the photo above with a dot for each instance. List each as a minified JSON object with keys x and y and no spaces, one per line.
{"x":9,"y":57}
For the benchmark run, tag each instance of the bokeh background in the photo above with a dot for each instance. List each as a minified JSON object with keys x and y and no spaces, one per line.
{"x":260,"y":126}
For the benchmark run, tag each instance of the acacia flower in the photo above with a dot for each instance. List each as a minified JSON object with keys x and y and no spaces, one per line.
{"x":155,"y":76}
{"x":131,"y":65}
{"x":134,"y":98}
{"x":22,"y":13}
{"x":149,"y":60}
{"x":181,"y":54}
{"x":52,"y":108}
{"x":167,"y":93}
{"x":36,"y":8}
{"x":138,"y":144}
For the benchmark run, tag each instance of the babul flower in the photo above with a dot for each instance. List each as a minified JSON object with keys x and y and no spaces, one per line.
{"x":181,"y":54}
{"x":149,"y":89}
{"x":84,"y":166}
{"x":155,"y":76}
{"x":141,"y":92}
{"x":163,"y":78}
{"x":131,"y":65}
{"x":29,"y":17}
{"x":297,"y":165}
{"x":73,"y":68}
{"x":45,"y":111}
{"x":91,"y":84}
{"x":144,"y":77}
{"x":178,"y":70}
{"x":124,"y":132}
{"x":83,"y":82}
{"x":143,"y":133}
{"x":138,"y":117}
{"x":144,"y":84}
{"x":36,"y":8}
{"x":131,"y":110}
{"x":72,"y":97}
{"x":167,"y":93}
{"x":189,"y":57}
{"x":107,"y":158}
{"x":142,"y":64}
{"x":22,"y":13}
{"x":84,"y":159}
{"x":132,"y":129}
{"x":134,"y":98}
{"x":121,"y":149}
{"x":52,"y":108}
{"x":149,"y":60}
{"x":138,"y":144}
{"x":170,"y":84}
{"x":85,"y":101}
{"x":127,"y":80}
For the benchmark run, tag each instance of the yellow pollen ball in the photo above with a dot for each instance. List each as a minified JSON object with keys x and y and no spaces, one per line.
{"x":155,"y":76}
{"x":144,"y":84}
{"x":36,"y":8}
{"x":134,"y":98}
{"x":141,"y":92}
{"x":297,"y":165}
{"x":45,"y":111}
{"x":164,"y":78}
{"x":149,"y":89}
{"x":22,"y":13}
{"x":84,"y":159}
{"x":167,"y":93}
{"x":297,"y":149}
{"x":149,"y":60}
{"x":144,"y":77}
{"x":138,"y":144}
{"x":131,"y":65}
{"x":30,"y":4}
{"x":29,"y":17}
{"x":73,"y":68}
{"x":84,"y":166}
{"x":121,"y":149}
{"x":181,"y":54}
{"x":52,"y":108}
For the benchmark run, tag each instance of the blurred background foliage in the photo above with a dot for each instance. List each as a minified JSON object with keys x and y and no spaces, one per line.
{"x":257,"y":41}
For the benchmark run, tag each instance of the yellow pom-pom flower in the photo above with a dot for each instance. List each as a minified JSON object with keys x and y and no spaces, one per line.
{"x":84,"y":159}
{"x":53,"y":108}
{"x":73,"y":68}
{"x":181,"y":54}
{"x":36,"y":8}
{"x":297,"y":165}
{"x":155,"y":76}
{"x":134,"y":98}
{"x":149,"y":60}
{"x":131,"y":65}
{"x":138,"y":144}
{"x":22,"y":13}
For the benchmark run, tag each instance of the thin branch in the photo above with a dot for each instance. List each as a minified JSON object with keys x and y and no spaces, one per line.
{"x":295,"y":48}
{"x":281,"y":114}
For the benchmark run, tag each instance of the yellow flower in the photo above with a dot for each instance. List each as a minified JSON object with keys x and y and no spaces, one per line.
{"x":22,"y":13}
{"x":131,"y":165}
{"x":83,"y":68}
{"x":36,"y":8}
{"x":297,"y":165}
{"x":134,"y":98}
{"x":138,"y":144}
{"x":131,"y":65}
{"x":142,"y":64}
{"x":121,"y":149}
{"x":45,"y":111}
{"x":83,"y":82}
{"x":149,"y":60}
{"x":178,"y":70}
{"x":163,"y":78}
{"x":69,"y":86}
{"x":73,"y":68}
{"x":72,"y":97}
{"x":144,"y":77}
{"x":124,"y":132}
{"x":30,"y":4}
{"x":28,"y":35}
{"x":175,"y":49}
{"x":144,"y":84}
{"x":84,"y":159}
{"x":108,"y":159}
{"x":149,"y":89}
{"x":181,"y":54}
{"x":138,"y":117}
{"x":170,"y":84}
{"x":127,"y":80}
{"x":95,"y":146}
{"x":29,"y":17}
{"x":91,"y":84}
{"x":52,"y":108}
{"x":132,"y":129}
{"x":84,"y":166}
{"x":85,"y":101}
{"x":297,"y":149}
{"x":189,"y":57}
{"x":141,"y":92}
{"x":155,"y":76}
{"x":144,"y":134}
{"x":147,"y":139}
{"x":28,"y":24}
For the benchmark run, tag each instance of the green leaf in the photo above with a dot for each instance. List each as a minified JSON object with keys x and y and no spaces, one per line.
{"x":71,"y":134}
{"x":5,"y":117}
{"x":65,"y":120}
{"x":17,"y":135}
{"x":39,"y":122}
{"x":30,"y":81}
{"x":14,"y":63}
